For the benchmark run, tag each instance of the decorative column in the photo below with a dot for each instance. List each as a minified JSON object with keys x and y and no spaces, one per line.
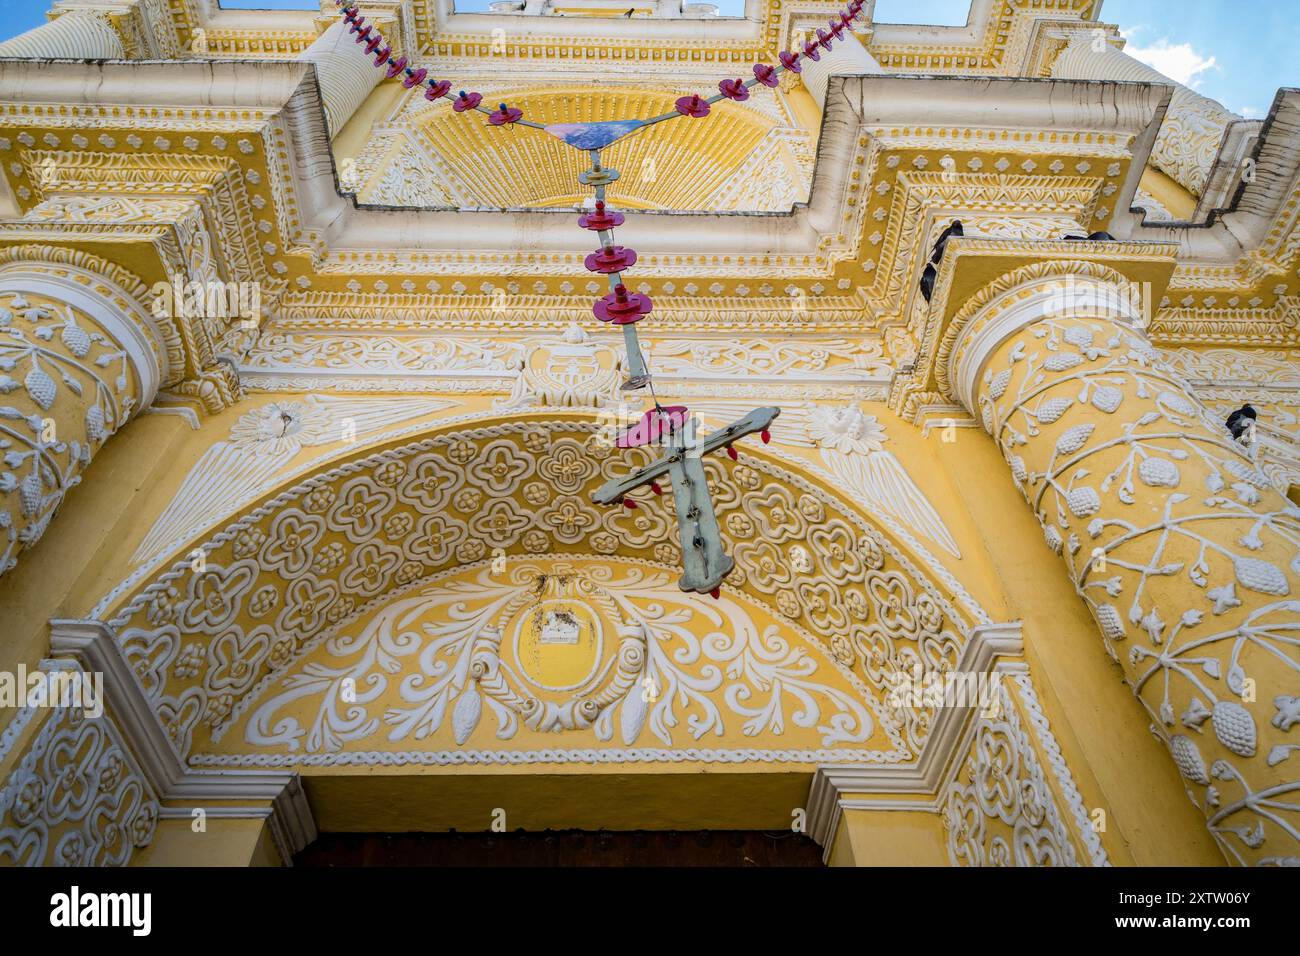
{"x":345,"y":73}
{"x":77,"y":360}
{"x":847,"y":57}
{"x":1187,"y":558}
{"x":77,"y":35}
{"x":1189,"y":137}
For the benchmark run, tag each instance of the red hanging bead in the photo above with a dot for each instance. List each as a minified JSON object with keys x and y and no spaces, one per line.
{"x":693,"y":105}
{"x":765,"y":435}
{"x":629,"y":504}
{"x":414,"y":78}
{"x":716,"y":593}
{"x":654,"y":486}
{"x":732,"y":454}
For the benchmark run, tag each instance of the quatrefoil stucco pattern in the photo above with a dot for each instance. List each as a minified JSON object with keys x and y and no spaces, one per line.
{"x":300,"y":566}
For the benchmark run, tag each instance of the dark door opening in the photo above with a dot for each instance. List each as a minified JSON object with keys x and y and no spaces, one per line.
{"x":564,"y":848}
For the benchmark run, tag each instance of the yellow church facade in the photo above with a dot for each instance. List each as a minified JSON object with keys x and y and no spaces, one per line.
{"x":305,"y":412}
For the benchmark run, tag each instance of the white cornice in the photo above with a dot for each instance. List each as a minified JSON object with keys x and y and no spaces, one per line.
{"x":991,"y":647}
{"x":855,"y":104}
{"x":93,"y":645}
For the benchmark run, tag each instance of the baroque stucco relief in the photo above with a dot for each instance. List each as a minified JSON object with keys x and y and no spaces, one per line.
{"x":310,"y":558}
{"x":541,"y":660}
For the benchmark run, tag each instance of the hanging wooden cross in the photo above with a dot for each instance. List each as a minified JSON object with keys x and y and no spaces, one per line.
{"x":704,"y":563}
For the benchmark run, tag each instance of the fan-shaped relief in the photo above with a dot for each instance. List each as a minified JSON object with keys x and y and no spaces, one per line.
{"x":667,"y":166}
{"x":560,"y":656}
{"x":203,"y":636}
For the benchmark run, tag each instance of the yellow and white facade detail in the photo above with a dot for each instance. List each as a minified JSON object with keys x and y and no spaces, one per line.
{"x":303,"y":404}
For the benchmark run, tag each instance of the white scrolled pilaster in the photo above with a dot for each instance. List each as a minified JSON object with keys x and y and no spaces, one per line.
{"x":78,"y":360}
{"x":847,"y":57}
{"x":77,"y":35}
{"x":345,"y":72}
{"x":1179,"y":546}
{"x":126,"y":321}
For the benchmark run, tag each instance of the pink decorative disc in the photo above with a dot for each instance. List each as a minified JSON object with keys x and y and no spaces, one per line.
{"x":654,"y":424}
{"x":694,"y":105}
{"x":622,"y":307}
{"x":466,"y":101}
{"x":734,"y":90}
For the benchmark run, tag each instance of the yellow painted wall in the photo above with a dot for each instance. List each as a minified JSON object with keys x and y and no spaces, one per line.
{"x":1004,"y":563}
{"x":225,"y":842}
{"x":888,"y":838}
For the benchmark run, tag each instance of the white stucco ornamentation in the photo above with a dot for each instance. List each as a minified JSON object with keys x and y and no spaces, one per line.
{"x":1174,"y":538}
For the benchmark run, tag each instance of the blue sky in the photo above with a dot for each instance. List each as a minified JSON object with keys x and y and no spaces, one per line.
{"x":1236,"y":51}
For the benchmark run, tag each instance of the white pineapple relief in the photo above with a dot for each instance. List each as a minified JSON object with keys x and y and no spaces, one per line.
{"x":1188,"y":559}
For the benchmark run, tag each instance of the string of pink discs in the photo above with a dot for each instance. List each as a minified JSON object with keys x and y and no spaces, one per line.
{"x":620,"y":306}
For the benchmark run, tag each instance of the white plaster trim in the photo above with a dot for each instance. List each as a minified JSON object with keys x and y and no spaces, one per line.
{"x":977,"y":341}
{"x":289,"y":817}
{"x":148,"y":359}
{"x":94,"y":646}
{"x":953,"y":727}
{"x":182,"y":411}
{"x":1061,"y":771}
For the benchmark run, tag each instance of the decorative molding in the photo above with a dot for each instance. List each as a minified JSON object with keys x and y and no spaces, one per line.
{"x":94,"y":646}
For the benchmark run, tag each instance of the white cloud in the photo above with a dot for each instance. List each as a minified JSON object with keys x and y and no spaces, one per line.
{"x":1250,"y":112}
{"x":1178,"y":61}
